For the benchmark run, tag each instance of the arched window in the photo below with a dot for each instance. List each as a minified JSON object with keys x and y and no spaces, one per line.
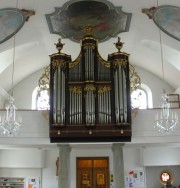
{"x":142,"y":98}
{"x":40,"y":99}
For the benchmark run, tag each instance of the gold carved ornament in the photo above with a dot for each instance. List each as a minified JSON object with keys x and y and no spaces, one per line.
{"x":57,"y":63}
{"x":74,"y":89}
{"x":102,"y":61}
{"x":89,"y":87}
{"x":103,"y":89}
{"x":89,"y":45}
{"x":75,"y":62}
{"x":135,"y":81}
{"x":120,"y":62}
{"x":44,"y":80}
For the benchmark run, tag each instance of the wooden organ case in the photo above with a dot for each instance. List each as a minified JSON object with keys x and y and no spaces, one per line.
{"x":90,"y":97}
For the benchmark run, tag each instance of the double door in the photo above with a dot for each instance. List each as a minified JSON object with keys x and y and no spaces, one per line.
{"x":93,"y":172}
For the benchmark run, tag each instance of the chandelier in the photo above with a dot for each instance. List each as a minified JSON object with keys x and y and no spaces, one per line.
{"x":9,"y":122}
{"x":166,"y":120}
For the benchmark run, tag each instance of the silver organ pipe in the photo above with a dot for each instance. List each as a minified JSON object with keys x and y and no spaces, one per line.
{"x":86,"y":65}
{"x":104,"y":106}
{"x":62,"y":98}
{"x":87,"y":107}
{"x":125,"y":98}
{"x":80,"y":109}
{"x":59,"y":106}
{"x":59,"y":94}
{"x":75,"y":108}
{"x":92,"y":64}
{"x":121,"y":85}
{"x":116,"y":86}
{"x":70,"y":107}
{"x":109,"y":106}
{"x":90,"y":108}
{"x":99,"y":107}
{"x":89,"y":64}
{"x":119,"y":99}
{"x":54,"y":97}
{"x":75,"y":112}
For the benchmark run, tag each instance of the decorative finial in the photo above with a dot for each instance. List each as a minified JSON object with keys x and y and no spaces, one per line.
{"x":149,"y":12}
{"x":119,"y":44}
{"x":88,"y":29}
{"x":27,"y":13}
{"x":59,"y":45}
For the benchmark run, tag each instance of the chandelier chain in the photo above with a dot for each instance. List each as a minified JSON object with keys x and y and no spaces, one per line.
{"x":11,"y":123}
{"x":166,"y":120}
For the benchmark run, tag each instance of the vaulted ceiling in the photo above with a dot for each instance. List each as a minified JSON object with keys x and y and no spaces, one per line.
{"x":34,"y":42}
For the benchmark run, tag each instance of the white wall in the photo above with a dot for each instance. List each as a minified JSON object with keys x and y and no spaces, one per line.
{"x":21,"y":158}
{"x":23,"y":90}
{"x":160,"y":156}
{"x":50,"y":180}
{"x":156,"y":85}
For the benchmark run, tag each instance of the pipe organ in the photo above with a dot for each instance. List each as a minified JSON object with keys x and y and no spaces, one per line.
{"x":90,"y":97}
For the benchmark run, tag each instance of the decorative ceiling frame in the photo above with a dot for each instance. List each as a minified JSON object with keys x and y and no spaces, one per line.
{"x":107,"y":20}
{"x":11,"y":21}
{"x":166,"y":17}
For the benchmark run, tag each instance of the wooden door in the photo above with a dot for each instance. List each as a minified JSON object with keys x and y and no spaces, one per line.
{"x":92,"y":172}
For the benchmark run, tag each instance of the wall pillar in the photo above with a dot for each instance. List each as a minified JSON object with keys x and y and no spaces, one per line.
{"x":64,"y":168}
{"x":118,"y":165}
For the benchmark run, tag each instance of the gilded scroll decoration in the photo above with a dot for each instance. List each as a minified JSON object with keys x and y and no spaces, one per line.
{"x":103,"y":89}
{"x":57,"y":63}
{"x":104,"y":62}
{"x":75,"y":62}
{"x":77,"y":90}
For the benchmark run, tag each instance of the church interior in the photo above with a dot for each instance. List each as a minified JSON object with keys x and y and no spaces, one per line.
{"x":89,"y":94}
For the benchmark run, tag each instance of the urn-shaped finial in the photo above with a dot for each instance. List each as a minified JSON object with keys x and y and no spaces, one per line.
{"x":119,"y":44}
{"x":59,"y":45}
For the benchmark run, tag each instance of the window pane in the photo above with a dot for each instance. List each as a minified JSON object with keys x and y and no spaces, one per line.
{"x":43,"y":100}
{"x":139,"y":99}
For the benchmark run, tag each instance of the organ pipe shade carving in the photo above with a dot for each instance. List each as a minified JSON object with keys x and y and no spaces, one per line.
{"x":90,"y":97}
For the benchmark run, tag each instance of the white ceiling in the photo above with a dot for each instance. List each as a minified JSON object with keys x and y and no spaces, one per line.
{"x":34,"y":43}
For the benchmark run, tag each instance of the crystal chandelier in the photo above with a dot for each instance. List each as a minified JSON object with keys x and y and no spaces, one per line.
{"x":9,"y":122}
{"x":166,"y":120}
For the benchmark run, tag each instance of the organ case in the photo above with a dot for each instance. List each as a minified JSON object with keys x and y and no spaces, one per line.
{"x":90,"y":97}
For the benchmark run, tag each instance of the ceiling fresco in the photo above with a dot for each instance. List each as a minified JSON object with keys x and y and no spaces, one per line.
{"x":70,"y":20}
